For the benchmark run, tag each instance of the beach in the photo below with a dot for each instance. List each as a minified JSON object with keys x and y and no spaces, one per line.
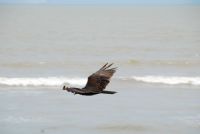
{"x":134,"y":109}
{"x":156,"y":50}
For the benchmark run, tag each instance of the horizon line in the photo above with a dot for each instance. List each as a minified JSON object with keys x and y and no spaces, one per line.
{"x":111,"y":4}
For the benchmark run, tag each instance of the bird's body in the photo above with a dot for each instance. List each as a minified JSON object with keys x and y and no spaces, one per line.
{"x":96,"y":83}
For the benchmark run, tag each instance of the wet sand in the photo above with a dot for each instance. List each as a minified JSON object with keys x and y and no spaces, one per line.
{"x":140,"y":109}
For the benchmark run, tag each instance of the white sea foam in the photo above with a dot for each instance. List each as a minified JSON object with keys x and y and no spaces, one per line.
{"x":41,"y":81}
{"x":78,"y":81}
{"x":171,"y":80}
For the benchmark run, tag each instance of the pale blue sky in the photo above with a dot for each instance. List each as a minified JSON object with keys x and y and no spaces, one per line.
{"x":96,"y":2}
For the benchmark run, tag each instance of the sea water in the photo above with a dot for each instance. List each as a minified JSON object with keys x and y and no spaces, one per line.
{"x":156,"y":50}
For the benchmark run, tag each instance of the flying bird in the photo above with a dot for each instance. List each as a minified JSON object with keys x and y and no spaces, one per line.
{"x":96,"y":83}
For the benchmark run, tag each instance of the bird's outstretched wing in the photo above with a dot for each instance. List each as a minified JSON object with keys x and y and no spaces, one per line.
{"x":98,"y":81}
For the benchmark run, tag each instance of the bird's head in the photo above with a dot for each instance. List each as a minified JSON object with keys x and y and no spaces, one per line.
{"x":65,"y":88}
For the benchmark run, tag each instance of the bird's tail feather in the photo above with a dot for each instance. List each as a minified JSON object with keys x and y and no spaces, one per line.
{"x":108,"y":92}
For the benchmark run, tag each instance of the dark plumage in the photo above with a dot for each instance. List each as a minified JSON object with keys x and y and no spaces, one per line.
{"x":96,"y":83}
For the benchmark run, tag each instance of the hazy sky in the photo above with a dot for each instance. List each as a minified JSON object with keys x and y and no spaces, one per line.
{"x":142,"y":2}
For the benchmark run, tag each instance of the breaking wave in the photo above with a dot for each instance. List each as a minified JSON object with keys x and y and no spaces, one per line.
{"x":78,"y":81}
{"x":170,"y":80}
{"x":41,"y":81}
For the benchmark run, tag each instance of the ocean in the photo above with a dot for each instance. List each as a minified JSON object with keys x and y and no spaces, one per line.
{"x":156,"y":50}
